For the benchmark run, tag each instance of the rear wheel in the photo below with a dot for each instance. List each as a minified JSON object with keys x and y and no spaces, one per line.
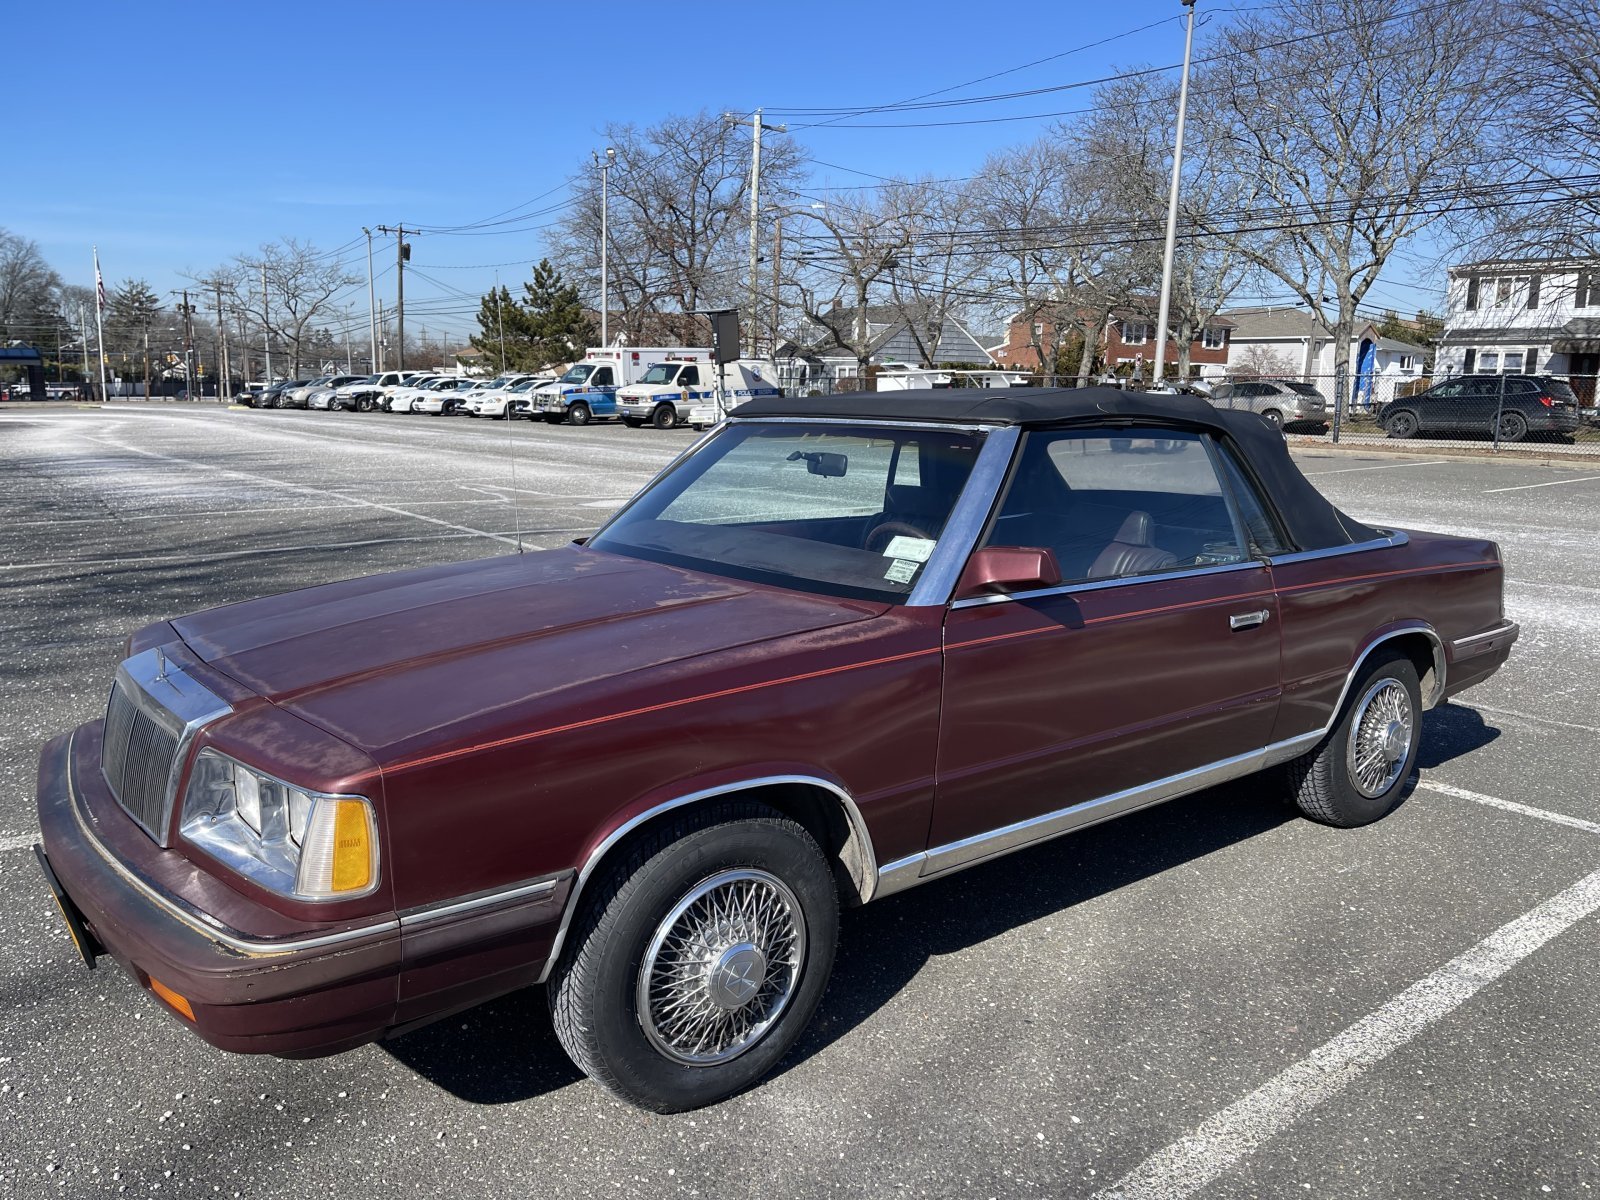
{"x":1274,"y":417}
{"x":1513,"y":427}
{"x":365,"y":404}
{"x":699,"y":958}
{"x":1359,"y":771}
{"x":579,"y":413}
{"x":1400,"y":423}
{"x":665,"y":417}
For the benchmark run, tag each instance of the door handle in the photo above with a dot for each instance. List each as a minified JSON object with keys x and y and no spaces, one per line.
{"x":1248,"y":620}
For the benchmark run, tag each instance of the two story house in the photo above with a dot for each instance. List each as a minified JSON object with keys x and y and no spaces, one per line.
{"x":1128,"y":341}
{"x":1530,"y":316}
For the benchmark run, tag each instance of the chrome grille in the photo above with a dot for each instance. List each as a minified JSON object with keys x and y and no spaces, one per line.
{"x":144,"y":739}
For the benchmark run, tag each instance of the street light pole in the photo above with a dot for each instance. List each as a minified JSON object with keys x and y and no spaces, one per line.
{"x":1172,"y":205}
{"x":372,"y":309}
{"x":605,"y":275}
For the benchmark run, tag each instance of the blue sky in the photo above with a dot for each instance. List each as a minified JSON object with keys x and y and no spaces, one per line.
{"x":177,"y":135}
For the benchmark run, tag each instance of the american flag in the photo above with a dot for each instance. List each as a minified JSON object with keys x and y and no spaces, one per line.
{"x":99,"y":284}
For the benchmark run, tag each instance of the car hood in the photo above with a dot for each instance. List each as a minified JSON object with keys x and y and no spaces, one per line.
{"x":385,"y":660}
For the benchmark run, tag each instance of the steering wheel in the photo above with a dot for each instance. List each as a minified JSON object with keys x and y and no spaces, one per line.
{"x":884,"y":532}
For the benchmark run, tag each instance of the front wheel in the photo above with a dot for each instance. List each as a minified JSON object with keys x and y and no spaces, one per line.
{"x":1401,"y":424}
{"x":699,"y":958}
{"x":665,"y":417}
{"x":366,"y":404}
{"x":1359,"y":771}
{"x":579,"y":413}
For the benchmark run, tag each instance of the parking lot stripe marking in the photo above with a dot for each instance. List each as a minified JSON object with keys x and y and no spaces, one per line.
{"x":1432,"y":462}
{"x":1548,"y":483}
{"x":1222,"y":1141}
{"x":17,"y":841}
{"x":303,"y":487}
{"x":1521,"y":716}
{"x":1526,"y":810}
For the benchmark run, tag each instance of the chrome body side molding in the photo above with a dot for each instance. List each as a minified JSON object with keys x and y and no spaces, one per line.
{"x":531,"y":891}
{"x":1390,"y":539}
{"x":858,"y":826}
{"x":1506,"y":628}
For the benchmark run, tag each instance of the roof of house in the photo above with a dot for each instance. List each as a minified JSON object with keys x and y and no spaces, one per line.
{"x":1288,"y":324}
{"x":1544,"y":262}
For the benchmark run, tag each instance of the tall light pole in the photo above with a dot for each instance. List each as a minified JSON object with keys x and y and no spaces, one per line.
{"x":605,"y":275}
{"x":1172,"y":205}
{"x":372,"y":309}
{"x":756,"y":128}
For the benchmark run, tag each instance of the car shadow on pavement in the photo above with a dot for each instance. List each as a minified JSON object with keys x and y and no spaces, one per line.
{"x":506,"y":1051}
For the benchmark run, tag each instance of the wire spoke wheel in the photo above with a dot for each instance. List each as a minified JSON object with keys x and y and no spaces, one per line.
{"x":1381,"y":733}
{"x":722,"y":967}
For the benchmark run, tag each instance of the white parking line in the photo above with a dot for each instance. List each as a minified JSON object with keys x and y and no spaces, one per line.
{"x":1521,"y":716}
{"x":17,"y":841}
{"x":1549,"y":483}
{"x":1526,"y":810}
{"x":1222,"y":1141}
{"x":1432,"y":462}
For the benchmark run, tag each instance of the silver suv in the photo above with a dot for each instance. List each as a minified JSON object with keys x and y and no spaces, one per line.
{"x":1284,"y":402}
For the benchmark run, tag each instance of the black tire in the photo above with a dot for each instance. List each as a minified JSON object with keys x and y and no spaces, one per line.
{"x":1274,"y":417}
{"x":664,"y":417}
{"x":365,"y":404}
{"x":595,"y":987}
{"x":1327,"y":786}
{"x":632,"y":422}
{"x":1513,"y":427}
{"x":578,"y":413}
{"x":274,"y":401}
{"x":1400,"y":423}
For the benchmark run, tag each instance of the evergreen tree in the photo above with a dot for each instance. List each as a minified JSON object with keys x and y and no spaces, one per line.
{"x":560,"y":327}
{"x":506,"y":341}
{"x":131,"y":310}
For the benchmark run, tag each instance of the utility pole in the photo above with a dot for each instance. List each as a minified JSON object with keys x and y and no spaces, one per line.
{"x":224,"y":386}
{"x":148,"y":395}
{"x":372,"y":309}
{"x":605,"y":240}
{"x":187,"y":310}
{"x":383,"y":346}
{"x":777,"y":270}
{"x":266,"y":325}
{"x":1172,"y":206}
{"x":402,"y":254}
{"x":83,"y":332}
{"x":756,"y":126}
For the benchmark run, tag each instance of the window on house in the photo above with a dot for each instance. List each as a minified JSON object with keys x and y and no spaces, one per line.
{"x":1038,"y":329}
{"x":1214,"y":339}
{"x":1135,"y":333}
{"x":1533,"y":291}
{"x":1511,"y":362}
{"x":1470,"y":363}
{"x":1502,"y":290}
{"x":1489,"y":362}
{"x":1588,"y":289}
{"x":1531,"y":364}
{"x":1405,"y":362}
{"x":1472,"y":296}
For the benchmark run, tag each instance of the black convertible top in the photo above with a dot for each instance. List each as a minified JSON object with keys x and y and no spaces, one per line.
{"x":1310,"y":520}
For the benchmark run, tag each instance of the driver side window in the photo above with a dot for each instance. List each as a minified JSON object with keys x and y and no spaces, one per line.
{"x":1119,"y":503}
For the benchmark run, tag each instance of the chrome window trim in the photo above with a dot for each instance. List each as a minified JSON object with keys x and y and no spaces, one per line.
{"x":939,"y":861}
{"x":1098,"y":585}
{"x":597,"y":855}
{"x":204,"y":923}
{"x":427,"y":914}
{"x":966,"y":522}
{"x":194,"y":705}
{"x":1390,"y":539}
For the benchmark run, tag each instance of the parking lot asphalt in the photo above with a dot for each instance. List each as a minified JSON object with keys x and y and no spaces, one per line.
{"x":1209,"y":998}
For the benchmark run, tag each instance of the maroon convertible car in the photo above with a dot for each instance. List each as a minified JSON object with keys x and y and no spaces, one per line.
{"x":839,"y":648}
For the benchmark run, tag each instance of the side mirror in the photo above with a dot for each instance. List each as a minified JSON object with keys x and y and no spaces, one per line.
{"x":1008,"y":569}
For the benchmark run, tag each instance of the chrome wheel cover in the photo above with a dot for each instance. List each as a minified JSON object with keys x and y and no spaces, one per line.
{"x":1382,"y":729}
{"x":721,"y":967}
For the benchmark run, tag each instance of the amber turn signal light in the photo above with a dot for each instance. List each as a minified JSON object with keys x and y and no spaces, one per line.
{"x":174,"y":1001}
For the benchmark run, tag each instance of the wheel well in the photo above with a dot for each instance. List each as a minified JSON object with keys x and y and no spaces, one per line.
{"x":817,"y":809}
{"x":1427,"y":656}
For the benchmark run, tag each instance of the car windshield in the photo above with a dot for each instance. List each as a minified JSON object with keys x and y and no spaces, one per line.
{"x":526,"y":385}
{"x":843,"y":510}
{"x":577,"y":374}
{"x":660,"y":373}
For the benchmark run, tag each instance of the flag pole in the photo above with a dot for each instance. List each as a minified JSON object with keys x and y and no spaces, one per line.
{"x":99,"y":324}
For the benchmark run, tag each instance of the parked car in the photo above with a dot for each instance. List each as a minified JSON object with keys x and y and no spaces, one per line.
{"x":368,"y":393}
{"x":1284,"y":402}
{"x":445,"y":398}
{"x":401,"y":398}
{"x":278,"y":391}
{"x":1519,"y":405}
{"x":496,"y":402}
{"x":804,"y":668}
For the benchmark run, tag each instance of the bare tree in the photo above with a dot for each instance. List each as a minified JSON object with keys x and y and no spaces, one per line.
{"x":30,"y":290}
{"x":1354,"y":151}
{"x":930,"y":285}
{"x":301,"y":284}
{"x":677,"y":216}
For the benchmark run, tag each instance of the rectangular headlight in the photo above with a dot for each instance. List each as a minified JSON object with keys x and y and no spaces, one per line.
{"x":298,"y":842}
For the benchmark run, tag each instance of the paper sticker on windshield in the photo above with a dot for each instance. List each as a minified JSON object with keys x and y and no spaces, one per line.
{"x":901,"y":570}
{"x":914,"y":548}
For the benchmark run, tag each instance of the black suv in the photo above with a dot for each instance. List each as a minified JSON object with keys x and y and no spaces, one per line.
{"x":1520,"y":404}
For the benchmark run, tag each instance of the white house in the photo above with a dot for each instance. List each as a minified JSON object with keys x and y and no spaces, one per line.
{"x":1523,"y":316}
{"x":1292,"y":343}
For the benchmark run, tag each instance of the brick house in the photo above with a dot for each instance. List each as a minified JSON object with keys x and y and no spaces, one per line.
{"x":1127,"y":342}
